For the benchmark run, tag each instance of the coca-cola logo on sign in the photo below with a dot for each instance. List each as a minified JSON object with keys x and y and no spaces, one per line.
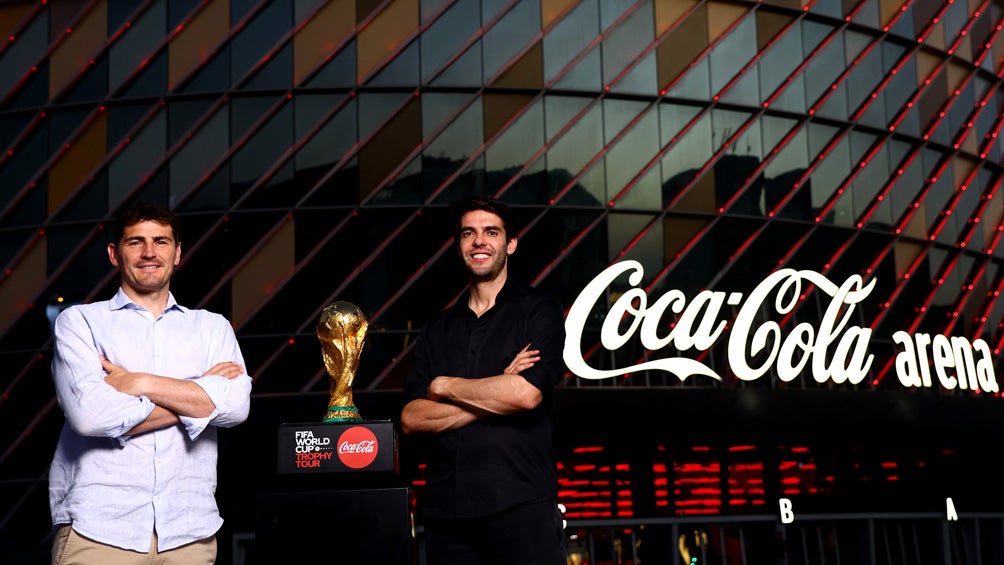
{"x":762,"y":335}
{"x":357,"y":447}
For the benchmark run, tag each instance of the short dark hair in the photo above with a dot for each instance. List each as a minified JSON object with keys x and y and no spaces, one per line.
{"x":472,"y":202}
{"x":146,"y":211}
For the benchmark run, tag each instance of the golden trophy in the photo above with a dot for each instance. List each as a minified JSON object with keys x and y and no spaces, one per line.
{"x":341,"y":331}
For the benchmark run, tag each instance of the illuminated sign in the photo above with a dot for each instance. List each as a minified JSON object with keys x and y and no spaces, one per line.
{"x":832,"y":350}
{"x":336,"y":447}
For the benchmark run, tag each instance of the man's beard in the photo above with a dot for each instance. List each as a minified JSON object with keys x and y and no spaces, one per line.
{"x":495,"y":269}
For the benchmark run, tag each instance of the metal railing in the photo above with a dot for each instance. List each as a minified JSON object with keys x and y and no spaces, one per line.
{"x":817,"y":539}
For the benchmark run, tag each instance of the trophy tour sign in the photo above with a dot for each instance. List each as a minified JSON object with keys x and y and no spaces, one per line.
{"x":830,"y":350}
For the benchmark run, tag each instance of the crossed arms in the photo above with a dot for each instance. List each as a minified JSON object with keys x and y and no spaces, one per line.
{"x":171,"y":397}
{"x":101,"y":397}
{"x":454,"y":402}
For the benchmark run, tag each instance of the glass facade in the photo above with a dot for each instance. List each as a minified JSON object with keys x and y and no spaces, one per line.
{"x":312,"y":147}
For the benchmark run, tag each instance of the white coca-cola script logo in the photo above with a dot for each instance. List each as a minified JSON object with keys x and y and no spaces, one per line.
{"x":357,"y":447}
{"x":831,"y":350}
{"x":365,"y":446}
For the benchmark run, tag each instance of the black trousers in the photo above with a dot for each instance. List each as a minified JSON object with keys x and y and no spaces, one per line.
{"x":528,"y":534}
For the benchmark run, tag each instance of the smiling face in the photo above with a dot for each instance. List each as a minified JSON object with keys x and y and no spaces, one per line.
{"x":146,"y":257}
{"x":483,"y":245}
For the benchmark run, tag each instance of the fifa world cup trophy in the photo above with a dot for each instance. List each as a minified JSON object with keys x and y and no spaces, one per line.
{"x":341,"y":330}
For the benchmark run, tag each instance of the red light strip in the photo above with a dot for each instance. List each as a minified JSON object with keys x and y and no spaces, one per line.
{"x":847,"y":183}
{"x":404,"y":43}
{"x":753,"y":177}
{"x":652,"y":45}
{"x":846,"y":245}
{"x":883,"y":193}
{"x":149,"y":116}
{"x":982,"y":319}
{"x":19,"y":28}
{"x":47,"y":108}
{"x":115,"y":152}
{"x":435,"y":193}
{"x":946,"y":213}
{"x":53,"y":46}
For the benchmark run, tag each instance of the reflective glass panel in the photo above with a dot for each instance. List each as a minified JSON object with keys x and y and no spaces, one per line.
{"x":443,"y":40}
{"x":954,"y":17}
{"x":904,"y":190}
{"x":732,"y":52}
{"x":585,"y":75}
{"x":514,"y":146}
{"x":686,"y":157}
{"x":137,"y":159}
{"x":898,"y":91}
{"x":196,"y":158}
{"x":935,"y":201}
{"x":260,"y":153}
{"x":22,"y":53}
{"x":612,"y":10}
{"x":640,"y":78}
{"x":137,"y":44}
{"x":569,"y":154}
{"x":330,"y":143}
{"x":863,"y":80}
{"x":257,"y":39}
{"x":339,"y":71}
{"x":872,"y":177}
{"x":507,"y":38}
{"x":635,"y":148}
{"x":401,"y":71}
{"x":783,"y":177}
{"x":825,"y":66}
{"x":302,"y":9}
{"x":623,"y":228}
{"x":376,"y":108}
{"x":644,"y":192}
{"x":277,"y":72}
{"x":695,"y":83}
{"x":623,"y":44}
{"x":455,"y":140}
{"x":464,"y":71}
{"x":827,"y":177}
{"x":569,"y":38}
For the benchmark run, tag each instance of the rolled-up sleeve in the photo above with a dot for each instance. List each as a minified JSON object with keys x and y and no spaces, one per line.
{"x":545,"y":328}
{"x":91,"y":406}
{"x":231,"y":397}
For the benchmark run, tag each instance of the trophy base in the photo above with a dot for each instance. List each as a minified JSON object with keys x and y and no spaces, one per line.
{"x":342,"y":414}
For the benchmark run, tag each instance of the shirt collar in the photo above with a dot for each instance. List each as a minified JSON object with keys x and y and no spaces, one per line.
{"x":511,"y":290}
{"x":120,"y":301}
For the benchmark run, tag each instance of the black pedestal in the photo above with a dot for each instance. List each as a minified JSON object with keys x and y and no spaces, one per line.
{"x":370,"y":526}
{"x":339,"y":498}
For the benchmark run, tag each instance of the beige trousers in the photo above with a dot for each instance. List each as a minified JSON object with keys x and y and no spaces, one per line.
{"x":71,"y":548}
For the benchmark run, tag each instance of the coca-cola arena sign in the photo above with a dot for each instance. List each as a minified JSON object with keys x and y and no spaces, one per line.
{"x":834,"y":350}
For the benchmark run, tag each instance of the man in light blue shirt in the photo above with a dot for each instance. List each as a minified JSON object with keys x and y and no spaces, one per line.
{"x":143,"y":383}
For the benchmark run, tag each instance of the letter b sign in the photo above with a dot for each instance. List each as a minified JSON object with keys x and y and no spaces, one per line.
{"x":787,"y":515}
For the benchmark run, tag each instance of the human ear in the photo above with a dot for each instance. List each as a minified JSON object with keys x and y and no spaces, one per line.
{"x":113,"y":255}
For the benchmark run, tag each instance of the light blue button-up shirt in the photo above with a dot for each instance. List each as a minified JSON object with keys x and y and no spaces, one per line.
{"x":115,"y":488}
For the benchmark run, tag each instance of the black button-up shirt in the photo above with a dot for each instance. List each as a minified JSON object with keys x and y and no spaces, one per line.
{"x":495,"y":462}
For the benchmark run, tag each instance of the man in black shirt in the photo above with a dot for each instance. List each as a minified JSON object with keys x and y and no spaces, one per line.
{"x":480,"y":390}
